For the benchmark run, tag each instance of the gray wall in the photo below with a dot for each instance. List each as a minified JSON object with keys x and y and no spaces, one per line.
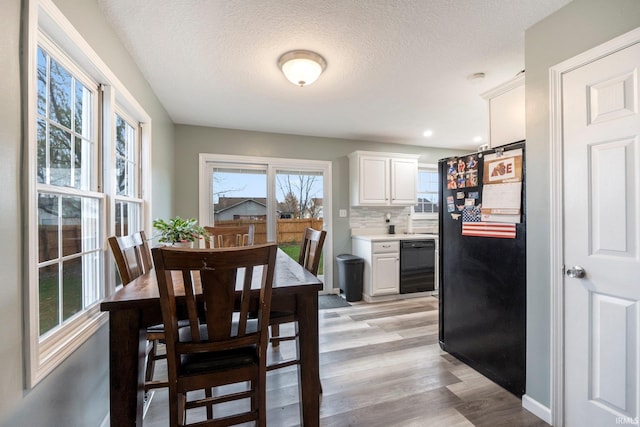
{"x":579,"y":26}
{"x":76,"y":393}
{"x":192,"y":140}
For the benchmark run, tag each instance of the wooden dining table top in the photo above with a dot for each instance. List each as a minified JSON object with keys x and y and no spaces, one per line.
{"x":289,"y":277}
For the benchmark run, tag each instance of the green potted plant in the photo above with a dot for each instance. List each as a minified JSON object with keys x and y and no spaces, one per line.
{"x":179,"y":232}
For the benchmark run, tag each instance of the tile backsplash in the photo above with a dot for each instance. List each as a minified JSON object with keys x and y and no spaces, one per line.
{"x":374,"y":217}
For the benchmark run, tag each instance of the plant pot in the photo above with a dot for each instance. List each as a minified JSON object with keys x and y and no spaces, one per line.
{"x":182,"y":245}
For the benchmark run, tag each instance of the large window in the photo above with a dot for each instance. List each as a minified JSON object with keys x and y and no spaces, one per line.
{"x":128,"y":198}
{"x":69,"y":212}
{"x":86,"y":180}
{"x":427,"y":206}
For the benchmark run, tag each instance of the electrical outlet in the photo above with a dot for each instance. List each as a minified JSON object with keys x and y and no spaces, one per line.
{"x":343,"y":213}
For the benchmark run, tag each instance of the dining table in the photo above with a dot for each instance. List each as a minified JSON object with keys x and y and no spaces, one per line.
{"x":136,"y":306}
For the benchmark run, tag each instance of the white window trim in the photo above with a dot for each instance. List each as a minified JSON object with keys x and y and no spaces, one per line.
{"x":43,"y":355}
{"x":422,"y":215}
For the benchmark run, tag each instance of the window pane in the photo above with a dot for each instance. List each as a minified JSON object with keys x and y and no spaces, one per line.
{"x":49,"y":297}
{"x":47,"y":227}
{"x":131,"y":179}
{"x":240,"y":197}
{"x":42,"y":152}
{"x":83,"y":107}
{"x":80,"y":219}
{"x":121,"y":140}
{"x":71,"y":226}
{"x":126,"y":158}
{"x":121,"y":177}
{"x":427,"y":192}
{"x":71,"y":287}
{"x":239,"y":194}
{"x":82,"y":172}
{"x":42,"y":83}
{"x":60,"y":157}
{"x":299,"y":205}
{"x":128,"y":216}
{"x":299,"y":194}
{"x":92,"y":278}
{"x":60,"y":95}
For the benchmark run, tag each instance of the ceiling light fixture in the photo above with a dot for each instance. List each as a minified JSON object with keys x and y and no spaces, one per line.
{"x":427,"y":133}
{"x":302,"y":67}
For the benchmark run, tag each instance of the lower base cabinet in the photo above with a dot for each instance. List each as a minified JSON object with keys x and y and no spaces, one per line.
{"x":385,"y":274}
{"x":381,"y":266}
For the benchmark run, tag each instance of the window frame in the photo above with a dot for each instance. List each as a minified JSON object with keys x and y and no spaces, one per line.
{"x":46,"y":26}
{"x":429,"y":167}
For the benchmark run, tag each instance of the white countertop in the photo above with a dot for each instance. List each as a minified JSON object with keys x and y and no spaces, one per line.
{"x":399,"y":236}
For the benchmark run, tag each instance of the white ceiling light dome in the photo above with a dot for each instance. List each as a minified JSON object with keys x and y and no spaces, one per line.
{"x":302,"y":67}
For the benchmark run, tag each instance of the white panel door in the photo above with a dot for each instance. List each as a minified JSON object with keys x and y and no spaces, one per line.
{"x":602,"y":236}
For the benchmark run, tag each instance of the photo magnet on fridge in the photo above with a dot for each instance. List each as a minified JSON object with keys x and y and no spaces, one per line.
{"x":452,"y":174}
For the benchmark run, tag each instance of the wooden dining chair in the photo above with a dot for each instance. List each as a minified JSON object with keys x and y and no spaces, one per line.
{"x":222,"y":345}
{"x":223,"y":236}
{"x":310,"y":253}
{"x":132,"y":255}
{"x":133,"y":259}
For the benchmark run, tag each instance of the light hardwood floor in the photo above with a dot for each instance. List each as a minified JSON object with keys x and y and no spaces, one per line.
{"x":381,"y":365}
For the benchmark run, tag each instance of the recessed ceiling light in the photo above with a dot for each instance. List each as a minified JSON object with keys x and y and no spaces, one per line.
{"x":428,"y":133}
{"x":477,"y":139}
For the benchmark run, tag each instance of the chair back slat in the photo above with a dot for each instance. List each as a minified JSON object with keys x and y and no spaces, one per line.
{"x":219,"y":292}
{"x":229,"y":236}
{"x":131,"y":254}
{"x":217,"y":272}
{"x":190,"y":302}
{"x":311,"y":249}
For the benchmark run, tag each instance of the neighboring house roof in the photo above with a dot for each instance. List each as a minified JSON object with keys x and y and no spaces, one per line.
{"x":225,"y":203}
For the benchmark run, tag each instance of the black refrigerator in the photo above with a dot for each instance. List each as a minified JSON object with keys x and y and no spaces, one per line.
{"x":482,"y":262}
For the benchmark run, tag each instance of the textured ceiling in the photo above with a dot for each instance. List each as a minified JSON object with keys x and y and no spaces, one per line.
{"x":394,"y":67}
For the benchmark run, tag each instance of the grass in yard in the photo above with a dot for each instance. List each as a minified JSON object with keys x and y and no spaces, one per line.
{"x":293,"y":250}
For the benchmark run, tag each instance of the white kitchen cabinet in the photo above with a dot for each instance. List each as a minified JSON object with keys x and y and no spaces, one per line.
{"x":506,"y":112}
{"x":381,"y":266}
{"x":383,"y":179}
{"x":385,"y":274}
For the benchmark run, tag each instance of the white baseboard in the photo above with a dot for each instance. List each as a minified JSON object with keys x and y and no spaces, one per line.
{"x":536,"y":408}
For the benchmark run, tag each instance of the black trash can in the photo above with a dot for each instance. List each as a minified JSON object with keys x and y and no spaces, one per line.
{"x":350,"y":270}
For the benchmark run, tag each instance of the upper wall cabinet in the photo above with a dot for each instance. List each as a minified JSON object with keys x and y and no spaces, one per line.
{"x":506,"y":112}
{"x":383,"y":179}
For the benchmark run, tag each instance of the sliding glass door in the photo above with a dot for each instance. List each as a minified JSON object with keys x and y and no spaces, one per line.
{"x":281,"y":197}
{"x":299,"y":204}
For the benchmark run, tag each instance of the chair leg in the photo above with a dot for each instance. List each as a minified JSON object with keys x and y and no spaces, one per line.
{"x":208,"y":394}
{"x":151,"y":361}
{"x":262,"y":398}
{"x":174,"y":408}
{"x":275,"y":332}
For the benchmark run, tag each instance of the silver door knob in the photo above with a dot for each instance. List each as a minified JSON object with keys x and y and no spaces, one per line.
{"x":576,"y":272}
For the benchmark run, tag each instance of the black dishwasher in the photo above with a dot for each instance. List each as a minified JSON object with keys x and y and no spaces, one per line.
{"x":417,"y":266}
